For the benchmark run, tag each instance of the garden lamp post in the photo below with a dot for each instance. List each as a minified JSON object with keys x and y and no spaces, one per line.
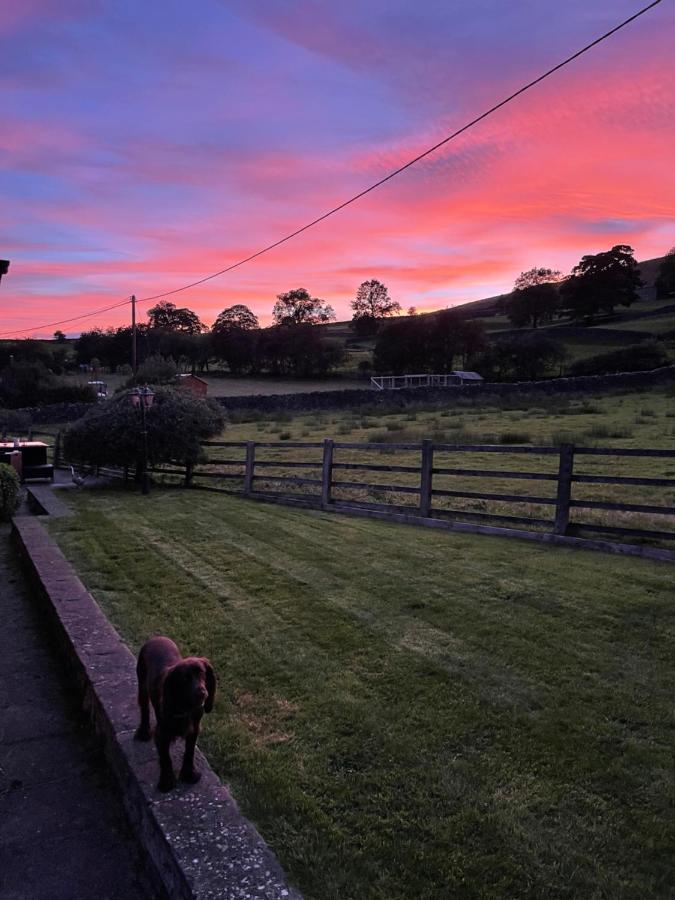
{"x":142,"y":398}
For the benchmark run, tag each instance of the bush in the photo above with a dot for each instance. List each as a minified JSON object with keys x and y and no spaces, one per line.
{"x":635,"y":358}
{"x":26,"y":383}
{"x":155,"y":370}
{"x":112,"y":434}
{"x":10,"y":492}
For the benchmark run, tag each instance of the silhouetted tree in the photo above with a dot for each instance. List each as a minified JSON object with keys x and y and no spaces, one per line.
{"x":299,"y":350}
{"x":601,"y":282}
{"x":665,"y":280}
{"x":297,"y":307}
{"x":167,"y":317}
{"x":523,"y":358}
{"x":372,"y":304}
{"x":401,"y":347}
{"x":237,"y":316}
{"x":537,"y":276}
{"x":531,"y":306}
{"x":535,"y":298}
{"x":427,"y":343}
{"x":471,"y":340}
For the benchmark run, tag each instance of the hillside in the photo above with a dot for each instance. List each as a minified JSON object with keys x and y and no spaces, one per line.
{"x":647,"y":319}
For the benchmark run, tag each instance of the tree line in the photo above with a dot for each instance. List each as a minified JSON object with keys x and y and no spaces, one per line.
{"x":434,"y":342}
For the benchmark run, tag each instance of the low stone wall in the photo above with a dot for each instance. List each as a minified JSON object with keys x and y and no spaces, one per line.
{"x":343,"y":399}
{"x":409,"y":396}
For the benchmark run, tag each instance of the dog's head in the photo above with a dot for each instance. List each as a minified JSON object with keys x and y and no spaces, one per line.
{"x":189,"y":687}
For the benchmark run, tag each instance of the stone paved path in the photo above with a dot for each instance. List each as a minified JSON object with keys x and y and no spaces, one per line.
{"x":62,"y":831}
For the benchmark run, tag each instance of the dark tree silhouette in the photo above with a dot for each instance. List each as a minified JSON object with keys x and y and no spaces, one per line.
{"x":535,"y":298}
{"x":665,"y":280}
{"x":372,"y":304}
{"x":427,"y":343}
{"x":537,"y":276}
{"x":237,"y":316}
{"x":297,"y":307}
{"x":168,"y":317}
{"x":601,"y":282}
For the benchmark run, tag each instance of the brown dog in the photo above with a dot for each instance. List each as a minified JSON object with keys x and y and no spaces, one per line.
{"x":181,"y":691}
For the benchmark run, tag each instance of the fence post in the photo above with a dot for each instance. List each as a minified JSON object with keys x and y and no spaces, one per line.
{"x":327,"y":473}
{"x":562,"y":504}
{"x":426,"y":478}
{"x":250,"y":465}
{"x":189,"y":466}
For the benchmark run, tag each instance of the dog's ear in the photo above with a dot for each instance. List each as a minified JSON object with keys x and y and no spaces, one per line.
{"x":210,"y":685}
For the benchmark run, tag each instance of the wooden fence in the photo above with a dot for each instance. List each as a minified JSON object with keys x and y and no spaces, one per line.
{"x":415,"y":483}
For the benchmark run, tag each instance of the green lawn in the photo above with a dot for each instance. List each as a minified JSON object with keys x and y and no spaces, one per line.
{"x":406,"y":713}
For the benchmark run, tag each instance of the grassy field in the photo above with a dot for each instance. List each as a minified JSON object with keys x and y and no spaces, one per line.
{"x":625,"y":420}
{"x":409,"y":714}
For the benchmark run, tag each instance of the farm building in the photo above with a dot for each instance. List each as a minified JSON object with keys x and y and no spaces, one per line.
{"x":193,"y":383}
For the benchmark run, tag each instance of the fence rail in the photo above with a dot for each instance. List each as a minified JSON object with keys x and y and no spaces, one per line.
{"x":326,"y":475}
{"x":423,"y":485}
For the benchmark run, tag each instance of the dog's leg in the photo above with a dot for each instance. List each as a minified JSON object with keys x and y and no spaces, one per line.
{"x":188,"y":773}
{"x":167,"y":779}
{"x":144,"y":731}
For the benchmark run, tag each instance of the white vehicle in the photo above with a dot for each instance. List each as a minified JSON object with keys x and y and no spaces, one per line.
{"x":101,"y":389}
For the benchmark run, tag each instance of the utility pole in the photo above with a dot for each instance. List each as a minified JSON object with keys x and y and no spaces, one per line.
{"x":134,"y":359}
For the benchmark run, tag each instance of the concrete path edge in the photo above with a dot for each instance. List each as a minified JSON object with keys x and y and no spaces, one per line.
{"x":197,"y":840}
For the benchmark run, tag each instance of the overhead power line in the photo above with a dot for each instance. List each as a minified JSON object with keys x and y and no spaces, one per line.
{"x":412,"y":162}
{"x":372,"y":187}
{"x":94,"y":312}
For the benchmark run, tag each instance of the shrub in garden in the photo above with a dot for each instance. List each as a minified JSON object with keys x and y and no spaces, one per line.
{"x":10,"y":492}
{"x":155,"y":370}
{"x":112,"y":434}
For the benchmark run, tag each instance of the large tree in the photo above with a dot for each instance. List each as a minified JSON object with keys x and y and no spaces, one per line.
{"x":237,"y":316}
{"x":427,"y":343}
{"x":601,"y":282}
{"x":234,"y":337}
{"x":665,"y":280}
{"x":526,"y":357}
{"x":168,"y":317}
{"x":298,"y":307}
{"x":371,"y":305}
{"x":535,"y":298}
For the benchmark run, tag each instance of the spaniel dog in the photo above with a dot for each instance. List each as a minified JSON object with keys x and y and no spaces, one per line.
{"x":181,"y":691}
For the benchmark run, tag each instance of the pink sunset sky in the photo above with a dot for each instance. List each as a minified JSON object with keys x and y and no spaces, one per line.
{"x":144,"y":146}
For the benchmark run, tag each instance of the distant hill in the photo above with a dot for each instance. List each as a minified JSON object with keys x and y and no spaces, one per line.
{"x":490,"y":305}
